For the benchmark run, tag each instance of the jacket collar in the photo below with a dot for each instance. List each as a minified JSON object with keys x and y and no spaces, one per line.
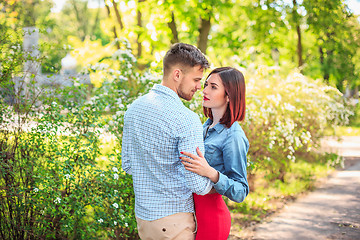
{"x":218,"y":127}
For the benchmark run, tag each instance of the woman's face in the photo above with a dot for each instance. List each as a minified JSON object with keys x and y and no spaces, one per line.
{"x":214,"y":93}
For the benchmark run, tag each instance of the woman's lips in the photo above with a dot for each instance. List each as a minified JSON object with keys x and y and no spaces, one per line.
{"x":206,"y":99}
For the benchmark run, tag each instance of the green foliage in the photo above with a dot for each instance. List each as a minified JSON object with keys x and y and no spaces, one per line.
{"x":288,"y":116}
{"x":50,"y":183}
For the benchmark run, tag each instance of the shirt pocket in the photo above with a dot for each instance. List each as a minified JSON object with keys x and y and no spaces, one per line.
{"x":213,"y":155}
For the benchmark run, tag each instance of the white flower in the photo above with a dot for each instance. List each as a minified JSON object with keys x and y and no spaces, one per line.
{"x":115,"y":169}
{"x":116,"y":191}
{"x":116,"y":205}
{"x":36,"y":189}
{"x":100,"y":220}
{"x":57,"y":200}
{"x":126,"y":224}
{"x":102,"y":175}
{"x":116,"y":176}
{"x":115,"y":223}
{"x":67,"y":176}
{"x":43,"y":211}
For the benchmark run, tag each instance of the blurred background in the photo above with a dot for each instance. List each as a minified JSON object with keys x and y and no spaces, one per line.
{"x":69,"y":70}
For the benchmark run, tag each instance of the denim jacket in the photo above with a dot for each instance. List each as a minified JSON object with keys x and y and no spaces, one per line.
{"x":225,"y":150}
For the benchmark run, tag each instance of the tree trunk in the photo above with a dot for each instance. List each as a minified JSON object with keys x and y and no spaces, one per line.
{"x":80,"y":19}
{"x":299,"y":46}
{"x":172,"y":26}
{"x":204,"y":33}
{"x":96,"y":20}
{"x":139,"y":23}
{"x":118,"y":16}
{"x":321,"y":55}
{"x":298,"y":31}
{"x":139,"y":44}
{"x":326,"y":74}
{"x":114,"y":28}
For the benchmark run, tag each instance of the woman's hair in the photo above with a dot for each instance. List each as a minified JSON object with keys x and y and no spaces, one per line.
{"x":234,"y":83}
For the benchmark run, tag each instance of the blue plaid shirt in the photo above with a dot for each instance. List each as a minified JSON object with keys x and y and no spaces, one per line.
{"x":157,"y":127}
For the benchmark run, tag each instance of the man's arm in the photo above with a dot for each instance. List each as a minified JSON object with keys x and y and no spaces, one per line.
{"x":191,"y":138}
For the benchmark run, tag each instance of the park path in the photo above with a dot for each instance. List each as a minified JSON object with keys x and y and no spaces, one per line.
{"x":332,"y":211}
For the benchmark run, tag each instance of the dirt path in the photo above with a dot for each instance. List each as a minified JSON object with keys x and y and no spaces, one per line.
{"x":332,"y":211}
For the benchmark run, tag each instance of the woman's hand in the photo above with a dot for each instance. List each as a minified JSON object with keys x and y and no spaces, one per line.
{"x":199,"y":165}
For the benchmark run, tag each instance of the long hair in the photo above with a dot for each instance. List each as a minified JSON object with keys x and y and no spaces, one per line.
{"x":234,"y":83}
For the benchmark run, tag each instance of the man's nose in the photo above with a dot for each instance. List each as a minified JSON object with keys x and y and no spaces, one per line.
{"x":198,"y":86}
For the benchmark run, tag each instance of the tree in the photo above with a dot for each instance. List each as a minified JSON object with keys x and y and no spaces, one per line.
{"x":337,"y":40}
{"x":296,"y":20}
{"x":86,"y":20}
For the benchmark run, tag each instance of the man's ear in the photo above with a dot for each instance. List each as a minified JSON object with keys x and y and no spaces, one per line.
{"x":177,"y":74}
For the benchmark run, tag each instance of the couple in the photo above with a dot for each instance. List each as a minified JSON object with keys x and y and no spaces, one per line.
{"x":163,"y":145}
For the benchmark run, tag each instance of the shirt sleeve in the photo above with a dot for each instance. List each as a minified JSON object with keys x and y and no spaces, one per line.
{"x":125,"y":148}
{"x":233,"y":182}
{"x":191,"y":138}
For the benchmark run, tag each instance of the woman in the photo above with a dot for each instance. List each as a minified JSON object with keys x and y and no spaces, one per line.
{"x":226,"y":147}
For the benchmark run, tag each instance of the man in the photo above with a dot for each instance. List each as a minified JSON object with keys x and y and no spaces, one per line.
{"x":157,"y":128}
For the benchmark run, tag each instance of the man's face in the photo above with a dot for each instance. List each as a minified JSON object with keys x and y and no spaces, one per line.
{"x":190,"y":82}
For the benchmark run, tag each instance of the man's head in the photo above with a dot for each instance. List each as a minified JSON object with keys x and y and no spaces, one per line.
{"x":184,"y":65}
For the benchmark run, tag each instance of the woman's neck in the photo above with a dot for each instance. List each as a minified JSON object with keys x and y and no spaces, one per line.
{"x":217,"y":114}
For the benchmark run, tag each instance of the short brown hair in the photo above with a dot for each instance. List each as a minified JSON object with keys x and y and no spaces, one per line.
{"x":234,"y":83}
{"x":186,"y":55}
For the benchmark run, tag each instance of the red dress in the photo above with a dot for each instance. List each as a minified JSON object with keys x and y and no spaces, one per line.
{"x":213,"y":217}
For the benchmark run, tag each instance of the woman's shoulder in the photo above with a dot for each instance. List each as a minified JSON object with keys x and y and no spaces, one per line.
{"x":235,"y":127}
{"x":236,"y":131}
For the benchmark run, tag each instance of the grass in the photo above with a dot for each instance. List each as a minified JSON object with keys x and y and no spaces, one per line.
{"x":347,"y":131}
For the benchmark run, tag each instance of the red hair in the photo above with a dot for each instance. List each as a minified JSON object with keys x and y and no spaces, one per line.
{"x":234,"y":83}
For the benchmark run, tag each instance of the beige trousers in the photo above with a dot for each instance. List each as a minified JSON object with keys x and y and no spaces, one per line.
{"x":179,"y":226}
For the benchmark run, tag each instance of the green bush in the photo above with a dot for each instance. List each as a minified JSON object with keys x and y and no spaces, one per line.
{"x":287,"y":117}
{"x":51,"y":183}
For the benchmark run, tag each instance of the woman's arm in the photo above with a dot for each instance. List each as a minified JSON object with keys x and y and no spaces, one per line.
{"x":232,"y":183}
{"x":233,"y":180}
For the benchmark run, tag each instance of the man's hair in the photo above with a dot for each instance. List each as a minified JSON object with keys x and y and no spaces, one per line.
{"x":185,"y":55}
{"x":234,"y":83}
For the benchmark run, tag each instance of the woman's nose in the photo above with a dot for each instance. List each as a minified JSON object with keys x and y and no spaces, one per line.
{"x":204,"y":90}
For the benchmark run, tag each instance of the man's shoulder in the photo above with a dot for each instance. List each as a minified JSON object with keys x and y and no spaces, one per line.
{"x":140,"y":102}
{"x":190,"y":115}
